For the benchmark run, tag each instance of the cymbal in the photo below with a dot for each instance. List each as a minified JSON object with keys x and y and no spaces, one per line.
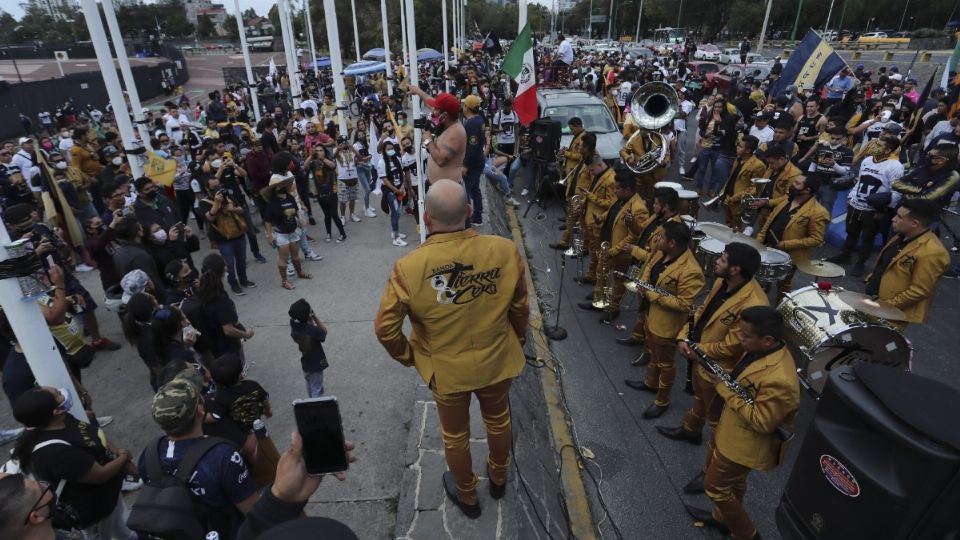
{"x":868,"y":305}
{"x":820,"y":268}
{"x":727,"y":235}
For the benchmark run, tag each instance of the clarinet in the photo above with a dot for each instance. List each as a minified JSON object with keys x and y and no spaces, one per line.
{"x":688,"y":388}
{"x":712,"y":366}
{"x":644,"y":285}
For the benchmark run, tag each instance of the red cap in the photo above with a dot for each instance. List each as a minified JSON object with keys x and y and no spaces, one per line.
{"x":445,"y":103}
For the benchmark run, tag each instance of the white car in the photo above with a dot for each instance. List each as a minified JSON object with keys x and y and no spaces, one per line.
{"x":730,"y":55}
{"x":874,"y":35}
{"x":752,"y":58}
{"x":707,"y":51}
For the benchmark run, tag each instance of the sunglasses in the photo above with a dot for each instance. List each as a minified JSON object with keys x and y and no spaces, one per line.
{"x":45,"y":488}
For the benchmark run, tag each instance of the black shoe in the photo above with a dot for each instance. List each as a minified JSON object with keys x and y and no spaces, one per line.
{"x":641,"y":360}
{"x":312,"y":221}
{"x":609,"y":317}
{"x":654,"y":411}
{"x":562,"y":227}
{"x":589,"y":297}
{"x":680,"y":434}
{"x":561,"y":218}
{"x":249,"y":285}
{"x":639,"y":385}
{"x":588,"y":306}
{"x":497,"y":492}
{"x":857,"y":270}
{"x":238,"y":291}
{"x":558,"y":246}
{"x":705,"y":517}
{"x":629,"y":342}
{"x":472,"y":511}
{"x":843,"y":258}
{"x":695,"y":485}
{"x":585,"y":281}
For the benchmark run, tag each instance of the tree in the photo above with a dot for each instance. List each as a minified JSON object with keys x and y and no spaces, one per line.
{"x":230,"y":26}
{"x":249,"y":13}
{"x":205,"y":26}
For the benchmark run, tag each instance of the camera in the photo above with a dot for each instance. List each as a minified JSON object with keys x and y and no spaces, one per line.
{"x":423,"y":123}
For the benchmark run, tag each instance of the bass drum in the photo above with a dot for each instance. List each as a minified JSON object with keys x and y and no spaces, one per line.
{"x":708,"y":252}
{"x":823,"y":332}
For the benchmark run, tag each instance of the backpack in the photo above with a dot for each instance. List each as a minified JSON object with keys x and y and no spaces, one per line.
{"x":165,"y":509}
{"x":62,"y":516}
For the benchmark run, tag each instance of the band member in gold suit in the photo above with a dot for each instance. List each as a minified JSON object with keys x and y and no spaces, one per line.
{"x":573,"y":154}
{"x":781,"y":173}
{"x":631,"y":153}
{"x":746,"y":166}
{"x":579,"y":177}
{"x":600,"y":195}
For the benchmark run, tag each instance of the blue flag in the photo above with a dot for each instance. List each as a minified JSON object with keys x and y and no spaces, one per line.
{"x":813,"y":62}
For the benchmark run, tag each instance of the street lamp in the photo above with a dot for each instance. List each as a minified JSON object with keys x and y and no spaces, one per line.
{"x":869,"y":22}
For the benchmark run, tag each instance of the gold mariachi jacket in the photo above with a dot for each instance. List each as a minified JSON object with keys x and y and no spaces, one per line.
{"x":753,"y":167}
{"x":578,"y":179}
{"x":642,"y":253}
{"x":573,"y":153}
{"x":466,"y":296}
{"x":684,"y":278}
{"x":746,"y":434}
{"x":805,"y":230}
{"x":620,"y":233}
{"x":635,"y":147}
{"x":781,"y":183}
{"x":720,"y":338}
{"x":910,"y":279}
{"x":599,"y":199}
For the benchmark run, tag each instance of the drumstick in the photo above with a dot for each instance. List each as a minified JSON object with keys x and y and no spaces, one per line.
{"x":774,"y":236}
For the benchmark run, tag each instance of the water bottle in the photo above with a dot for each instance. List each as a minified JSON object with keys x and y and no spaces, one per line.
{"x":259,"y":429}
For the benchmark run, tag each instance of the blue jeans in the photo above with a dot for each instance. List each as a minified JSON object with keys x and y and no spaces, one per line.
{"x":527,"y":168}
{"x":828,"y":198}
{"x":363,"y":174}
{"x":719,"y":168}
{"x":394,"y":210}
{"x":503,"y":183}
{"x":314,"y":383}
{"x":235,"y":254}
{"x":472,"y":183}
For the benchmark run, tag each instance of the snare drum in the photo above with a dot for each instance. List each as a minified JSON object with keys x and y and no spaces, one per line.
{"x":689,"y":202}
{"x":709,"y":252}
{"x":823,"y":332}
{"x":775,"y":266}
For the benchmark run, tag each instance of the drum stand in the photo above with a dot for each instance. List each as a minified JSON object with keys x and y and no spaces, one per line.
{"x":556,"y":332}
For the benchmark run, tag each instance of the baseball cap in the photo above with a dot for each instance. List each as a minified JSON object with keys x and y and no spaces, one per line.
{"x":472,"y":101}
{"x":762,"y":115}
{"x":134,"y":282}
{"x":445,"y":102}
{"x":792,"y":89}
{"x":175,"y":403}
{"x":893,"y":128}
{"x":23,"y":140}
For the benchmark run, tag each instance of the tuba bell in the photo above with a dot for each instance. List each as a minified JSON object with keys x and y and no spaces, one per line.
{"x":653,"y":106}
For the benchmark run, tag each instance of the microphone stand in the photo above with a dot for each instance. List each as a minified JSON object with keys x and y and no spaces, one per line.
{"x":556,"y":332}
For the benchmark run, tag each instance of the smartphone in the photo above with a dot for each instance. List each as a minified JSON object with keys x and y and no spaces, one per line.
{"x":321,"y":428}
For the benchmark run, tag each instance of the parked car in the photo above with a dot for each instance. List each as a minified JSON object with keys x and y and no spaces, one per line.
{"x":707,"y":51}
{"x":873,"y":35}
{"x":732,"y":56}
{"x":720,"y":82}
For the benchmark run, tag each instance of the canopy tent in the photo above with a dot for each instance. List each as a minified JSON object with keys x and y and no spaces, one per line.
{"x":323,"y":62}
{"x":375,"y":54}
{"x":427,"y":54}
{"x":364,"y":67}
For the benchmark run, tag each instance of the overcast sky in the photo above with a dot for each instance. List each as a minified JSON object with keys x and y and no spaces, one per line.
{"x":262,"y":6}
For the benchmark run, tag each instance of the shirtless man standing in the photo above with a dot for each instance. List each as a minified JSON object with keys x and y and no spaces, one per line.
{"x":449,"y":145}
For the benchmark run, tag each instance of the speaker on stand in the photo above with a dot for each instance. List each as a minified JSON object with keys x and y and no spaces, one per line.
{"x":545,"y":136}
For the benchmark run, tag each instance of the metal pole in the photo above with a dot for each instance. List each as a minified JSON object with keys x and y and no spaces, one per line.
{"x":289,"y":52}
{"x":590,"y":22}
{"x":132,"y":94}
{"x":415,"y":103}
{"x":403,"y":38}
{"x":112,"y":83}
{"x":446,"y":46}
{"x":843,"y":11}
{"x":826,"y":25}
{"x":33,"y":334}
{"x":796,"y":22}
{"x":336,"y":62}
{"x":639,"y":15}
{"x":610,"y":22}
{"x":763,"y":30}
{"x":356,"y":34}
{"x":386,"y":45}
{"x":904,"y":16}
{"x":680,"y":15}
{"x":251,"y":82}
{"x":310,"y":42}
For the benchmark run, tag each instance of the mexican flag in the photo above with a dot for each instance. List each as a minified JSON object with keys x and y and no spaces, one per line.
{"x":519,"y":65}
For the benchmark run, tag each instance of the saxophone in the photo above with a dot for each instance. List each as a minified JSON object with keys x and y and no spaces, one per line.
{"x":603,"y":292}
{"x":575,"y":208}
{"x":717,"y":370}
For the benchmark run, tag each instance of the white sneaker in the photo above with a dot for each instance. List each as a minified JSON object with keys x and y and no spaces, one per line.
{"x":524,"y":192}
{"x":7,"y":436}
{"x":83,"y":268}
{"x":370,"y":212}
{"x":377,"y":192}
{"x":314,"y":257}
{"x":512,"y":202}
{"x":131,"y":484}
{"x":399,"y":242}
{"x":682,"y":172}
{"x":748,"y":231}
{"x":104,"y":420}
{"x":354,"y":218}
{"x":290,"y":270}
{"x":401,"y":235}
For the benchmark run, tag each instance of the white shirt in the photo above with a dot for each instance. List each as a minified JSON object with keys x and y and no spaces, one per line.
{"x":874,"y":129}
{"x":409,"y":161}
{"x":346,"y":165}
{"x":504,"y":125}
{"x":65,"y":145}
{"x":44,"y":118}
{"x":27,"y":168}
{"x":875,"y":178}
{"x":174,"y":127}
{"x":309,"y":104}
{"x":565,"y":51}
{"x":764,"y":135}
{"x":624,"y":93}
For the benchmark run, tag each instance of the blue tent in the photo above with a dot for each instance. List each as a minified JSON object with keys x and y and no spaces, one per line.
{"x":365,"y":67}
{"x":427,"y":54}
{"x":375,"y":54}
{"x":323,"y":62}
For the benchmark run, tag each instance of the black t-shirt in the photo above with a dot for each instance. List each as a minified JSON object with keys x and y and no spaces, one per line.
{"x":310,"y":339}
{"x":806,"y":127}
{"x":243,"y":402}
{"x":775,"y":231}
{"x":841,"y":155}
{"x":473,"y":158}
{"x":55,"y":462}
{"x":217,"y":313}
{"x":282,"y":213}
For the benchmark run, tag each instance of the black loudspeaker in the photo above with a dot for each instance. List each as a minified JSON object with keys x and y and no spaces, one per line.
{"x":545,"y":139}
{"x":881,"y":460}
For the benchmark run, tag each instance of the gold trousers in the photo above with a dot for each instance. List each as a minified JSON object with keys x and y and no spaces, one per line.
{"x":662,"y":369}
{"x":699,"y":412}
{"x":454,"y":413}
{"x":726,"y":484}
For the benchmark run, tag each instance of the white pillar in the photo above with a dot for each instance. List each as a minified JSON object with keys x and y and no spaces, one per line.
{"x":453,"y":20}
{"x":639,"y":15}
{"x":356,"y":34}
{"x":446,"y":45}
{"x":121,"y":50}
{"x":120,"y":112}
{"x":386,"y":44}
{"x":310,"y":42}
{"x":251,"y":82}
{"x":590,"y":22}
{"x":763,"y":31}
{"x":405,"y":59}
{"x":415,"y":104}
{"x":290,"y":52}
{"x":521,"y":15}
{"x":336,"y":61}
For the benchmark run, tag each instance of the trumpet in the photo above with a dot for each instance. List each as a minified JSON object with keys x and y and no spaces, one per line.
{"x":603,"y":293}
{"x":717,"y":370}
{"x":640,"y":284}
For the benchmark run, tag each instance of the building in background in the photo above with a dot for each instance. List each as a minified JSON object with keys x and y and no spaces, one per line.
{"x":196,"y":8}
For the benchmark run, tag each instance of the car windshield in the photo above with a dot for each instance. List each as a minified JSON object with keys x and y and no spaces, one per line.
{"x":596,"y":118}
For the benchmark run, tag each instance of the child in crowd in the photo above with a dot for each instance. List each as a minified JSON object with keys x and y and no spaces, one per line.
{"x":309,"y":334}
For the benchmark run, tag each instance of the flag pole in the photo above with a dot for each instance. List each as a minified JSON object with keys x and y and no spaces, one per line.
{"x":289,"y":53}
{"x":356,"y":34}
{"x":446,"y":46}
{"x":639,"y":14}
{"x":310,"y":41}
{"x":136,"y":109}
{"x":336,"y":62}
{"x":386,"y":45}
{"x":403,"y":38}
{"x":251,"y":82}
{"x":763,"y":30}
{"x":415,"y":104}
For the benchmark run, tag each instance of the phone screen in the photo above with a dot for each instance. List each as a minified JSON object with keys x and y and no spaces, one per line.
{"x":320,"y":427}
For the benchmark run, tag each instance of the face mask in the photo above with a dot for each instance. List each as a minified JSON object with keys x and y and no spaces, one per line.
{"x":61,"y":165}
{"x":67,"y":400}
{"x":794,"y":192}
{"x":64,"y":135}
{"x":117,"y":161}
{"x":391,"y":153}
{"x":160,"y":235}
{"x":216,"y":163}
{"x":408,"y":149}
{"x":402,"y":122}
{"x":48,"y":146}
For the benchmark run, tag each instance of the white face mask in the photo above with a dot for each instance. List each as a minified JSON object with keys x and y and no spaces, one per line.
{"x":160,"y":235}
{"x":64,"y":135}
{"x":216,"y":163}
{"x":117,"y":161}
{"x":391,"y":153}
{"x":61,"y":165}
